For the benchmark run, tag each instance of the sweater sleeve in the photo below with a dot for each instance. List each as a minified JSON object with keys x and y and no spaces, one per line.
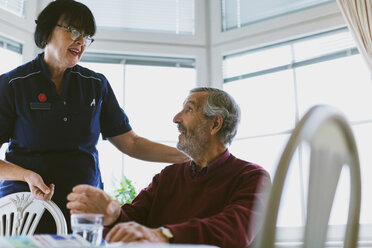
{"x":139,"y":208}
{"x":234,"y":225}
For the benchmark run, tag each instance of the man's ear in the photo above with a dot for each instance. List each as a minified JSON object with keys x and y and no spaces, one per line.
{"x":217,"y":124}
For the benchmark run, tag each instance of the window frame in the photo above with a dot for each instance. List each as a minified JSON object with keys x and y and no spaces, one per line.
{"x":239,"y":24}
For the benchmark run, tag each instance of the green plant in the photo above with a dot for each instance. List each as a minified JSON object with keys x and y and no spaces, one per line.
{"x":126,"y":193}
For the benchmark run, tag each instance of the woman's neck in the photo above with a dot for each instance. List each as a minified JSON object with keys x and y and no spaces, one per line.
{"x":56,"y":74}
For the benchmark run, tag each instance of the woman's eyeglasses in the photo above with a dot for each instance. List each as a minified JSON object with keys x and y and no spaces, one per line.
{"x":76,"y":35}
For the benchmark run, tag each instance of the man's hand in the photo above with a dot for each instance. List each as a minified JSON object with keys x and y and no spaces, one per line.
{"x":37,"y":186}
{"x":88,"y":199}
{"x":135,"y":233}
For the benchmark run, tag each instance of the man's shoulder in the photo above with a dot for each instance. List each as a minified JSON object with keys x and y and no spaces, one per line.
{"x":247,"y":174}
{"x":170,"y":173}
{"x":246,"y":166}
{"x":175,"y":167}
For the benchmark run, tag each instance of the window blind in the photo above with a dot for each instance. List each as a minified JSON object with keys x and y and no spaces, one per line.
{"x":238,"y":13}
{"x":14,"y":6}
{"x":166,"y":16}
{"x":138,"y":60}
{"x":290,"y":54}
{"x":10,"y":45}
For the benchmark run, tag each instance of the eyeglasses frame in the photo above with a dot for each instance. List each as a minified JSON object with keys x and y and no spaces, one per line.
{"x":75,"y":33}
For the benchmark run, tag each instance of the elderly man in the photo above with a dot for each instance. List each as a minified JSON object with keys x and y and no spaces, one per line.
{"x":212,"y":199}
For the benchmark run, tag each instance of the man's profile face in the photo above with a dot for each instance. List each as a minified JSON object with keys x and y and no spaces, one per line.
{"x":193,"y":125}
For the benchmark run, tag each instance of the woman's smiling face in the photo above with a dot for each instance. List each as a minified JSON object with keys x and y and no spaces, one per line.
{"x":61,"y":50}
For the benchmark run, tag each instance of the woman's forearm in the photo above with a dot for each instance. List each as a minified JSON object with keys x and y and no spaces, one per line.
{"x":144,"y":149}
{"x":10,"y":171}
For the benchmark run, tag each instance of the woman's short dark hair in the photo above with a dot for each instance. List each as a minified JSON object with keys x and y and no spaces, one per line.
{"x":73,"y":13}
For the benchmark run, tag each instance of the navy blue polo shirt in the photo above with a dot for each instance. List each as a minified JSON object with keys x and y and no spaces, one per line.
{"x":55,"y":135}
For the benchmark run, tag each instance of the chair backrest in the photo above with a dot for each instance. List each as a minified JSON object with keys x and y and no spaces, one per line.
{"x":20,"y":214}
{"x":332,"y":146}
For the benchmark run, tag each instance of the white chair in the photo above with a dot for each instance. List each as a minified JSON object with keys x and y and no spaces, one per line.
{"x":332,"y":146}
{"x":20,"y":214}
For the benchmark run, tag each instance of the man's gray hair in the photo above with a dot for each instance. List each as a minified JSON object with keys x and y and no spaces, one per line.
{"x":220,"y":103}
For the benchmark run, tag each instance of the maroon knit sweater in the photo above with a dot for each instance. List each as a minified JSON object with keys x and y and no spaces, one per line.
{"x":216,"y":208}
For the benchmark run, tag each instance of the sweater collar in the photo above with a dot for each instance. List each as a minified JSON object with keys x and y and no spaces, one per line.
{"x":214,"y":164}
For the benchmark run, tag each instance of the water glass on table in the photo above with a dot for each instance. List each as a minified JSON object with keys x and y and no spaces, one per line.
{"x":89,"y":226}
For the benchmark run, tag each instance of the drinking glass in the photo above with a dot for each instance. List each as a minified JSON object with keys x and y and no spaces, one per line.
{"x":89,"y":226}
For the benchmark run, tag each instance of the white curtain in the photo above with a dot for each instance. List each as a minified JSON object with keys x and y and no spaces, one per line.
{"x":358,"y":16}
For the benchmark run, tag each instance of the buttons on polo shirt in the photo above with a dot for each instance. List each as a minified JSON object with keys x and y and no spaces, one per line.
{"x":65,"y":119}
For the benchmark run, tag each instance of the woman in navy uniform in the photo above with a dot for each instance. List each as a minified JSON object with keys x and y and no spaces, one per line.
{"x":52,"y":112}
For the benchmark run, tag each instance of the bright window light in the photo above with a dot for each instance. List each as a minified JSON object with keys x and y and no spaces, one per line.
{"x":324,"y":69}
{"x":344,"y":83}
{"x":13,"y":60}
{"x":110,"y":158}
{"x":150,"y":96}
{"x":153,"y":95}
{"x":265,"y":100}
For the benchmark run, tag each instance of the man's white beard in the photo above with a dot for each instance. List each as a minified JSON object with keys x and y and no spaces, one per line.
{"x":194,"y":142}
